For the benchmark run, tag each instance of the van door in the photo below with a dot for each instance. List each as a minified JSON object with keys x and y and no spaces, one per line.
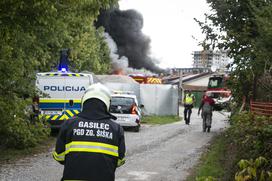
{"x":75,"y":88}
{"x":52,"y":96}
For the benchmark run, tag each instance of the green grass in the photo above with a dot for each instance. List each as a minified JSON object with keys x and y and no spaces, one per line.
{"x":160,"y":119}
{"x":211,"y":162}
{"x":8,"y":155}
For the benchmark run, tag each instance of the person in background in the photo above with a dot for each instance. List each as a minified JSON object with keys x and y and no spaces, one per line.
{"x":203,"y":97}
{"x":91,"y":146}
{"x":189,"y":100}
{"x":206,"y":106}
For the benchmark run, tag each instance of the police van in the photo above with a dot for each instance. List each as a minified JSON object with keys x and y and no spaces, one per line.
{"x":60,"y":95}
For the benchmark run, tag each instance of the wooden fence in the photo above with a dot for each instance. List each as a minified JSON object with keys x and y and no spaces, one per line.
{"x":261,"y":108}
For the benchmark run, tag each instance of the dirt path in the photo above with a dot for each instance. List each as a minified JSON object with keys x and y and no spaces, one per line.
{"x":156,"y":153}
{"x":166,"y":153}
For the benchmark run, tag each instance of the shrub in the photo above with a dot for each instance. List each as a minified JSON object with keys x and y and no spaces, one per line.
{"x":252,"y":134}
{"x":249,"y":140}
{"x":253,"y":170}
{"x":17,"y":131}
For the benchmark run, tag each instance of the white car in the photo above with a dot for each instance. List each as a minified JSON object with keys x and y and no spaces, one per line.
{"x":125,"y":107}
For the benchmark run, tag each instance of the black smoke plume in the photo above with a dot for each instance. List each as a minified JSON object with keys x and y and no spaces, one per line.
{"x":125,"y":29}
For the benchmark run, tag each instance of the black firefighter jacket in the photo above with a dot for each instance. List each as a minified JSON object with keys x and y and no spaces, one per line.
{"x":90,"y":145}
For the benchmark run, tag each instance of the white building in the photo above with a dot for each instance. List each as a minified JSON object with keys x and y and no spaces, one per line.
{"x":208,"y":59}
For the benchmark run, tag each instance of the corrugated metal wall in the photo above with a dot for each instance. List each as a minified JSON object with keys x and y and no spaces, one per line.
{"x":125,"y":87}
{"x":159,"y":99}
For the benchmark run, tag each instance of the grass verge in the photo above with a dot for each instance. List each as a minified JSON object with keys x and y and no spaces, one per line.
{"x":8,"y":155}
{"x":160,"y":119}
{"x":248,"y":138}
{"x":213,"y":162}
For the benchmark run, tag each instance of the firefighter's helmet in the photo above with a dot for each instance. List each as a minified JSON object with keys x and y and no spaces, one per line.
{"x":97,"y":91}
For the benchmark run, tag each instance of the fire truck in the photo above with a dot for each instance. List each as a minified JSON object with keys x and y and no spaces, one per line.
{"x":146,"y":79}
{"x":219,"y":91}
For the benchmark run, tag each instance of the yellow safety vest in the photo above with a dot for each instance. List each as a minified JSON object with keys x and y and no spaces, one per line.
{"x":189,"y":99}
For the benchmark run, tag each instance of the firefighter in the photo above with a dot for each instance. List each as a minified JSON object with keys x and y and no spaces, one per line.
{"x":91,"y":145}
{"x":206,"y":106}
{"x":189,"y":100}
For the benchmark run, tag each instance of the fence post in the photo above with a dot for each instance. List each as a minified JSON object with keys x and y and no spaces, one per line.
{"x":250,"y":104}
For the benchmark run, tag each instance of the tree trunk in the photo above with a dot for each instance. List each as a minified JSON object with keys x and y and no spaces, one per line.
{"x":254,"y":88}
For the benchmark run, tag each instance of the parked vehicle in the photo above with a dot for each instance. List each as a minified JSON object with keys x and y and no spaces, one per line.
{"x":145,"y":79}
{"x":125,"y":107}
{"x":60,"y":93}
{"x":219,"y":91}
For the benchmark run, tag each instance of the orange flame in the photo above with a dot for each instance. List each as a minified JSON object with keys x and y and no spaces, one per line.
{"x":118,"y":72}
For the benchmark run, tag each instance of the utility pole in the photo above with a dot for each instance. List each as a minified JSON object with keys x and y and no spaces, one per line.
{"x":179,"y":90}
{"x":180,"y":85}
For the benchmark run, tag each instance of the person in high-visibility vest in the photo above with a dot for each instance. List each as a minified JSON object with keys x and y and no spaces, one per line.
{"x":189,"y":100}
{"x":91,"y":145}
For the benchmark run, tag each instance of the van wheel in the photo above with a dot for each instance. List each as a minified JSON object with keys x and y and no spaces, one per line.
{"x":54,"y":131}
{"x":136,"y":129}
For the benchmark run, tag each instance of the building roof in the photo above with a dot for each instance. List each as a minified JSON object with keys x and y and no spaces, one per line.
{"x":196,"y":76}
{"x":115,"y":79}
{"x":185,"y":78}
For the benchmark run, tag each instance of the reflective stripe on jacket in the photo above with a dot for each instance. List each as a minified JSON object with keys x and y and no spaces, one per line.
{"x":90,"y":149}
{"x":84,"y":146}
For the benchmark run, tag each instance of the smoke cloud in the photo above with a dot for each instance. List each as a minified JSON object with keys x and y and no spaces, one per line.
{"x":118,"y":63}
{"x":125,"y":29}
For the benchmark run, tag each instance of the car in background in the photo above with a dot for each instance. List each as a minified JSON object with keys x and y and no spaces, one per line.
{"x":124,"y":106}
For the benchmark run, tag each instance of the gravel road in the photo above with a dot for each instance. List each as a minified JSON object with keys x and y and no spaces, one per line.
{"x":156,"y":153}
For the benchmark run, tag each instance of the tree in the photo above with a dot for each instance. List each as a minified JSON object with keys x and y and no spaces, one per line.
{"x":243,"y":27}
{"x":31,"y":35}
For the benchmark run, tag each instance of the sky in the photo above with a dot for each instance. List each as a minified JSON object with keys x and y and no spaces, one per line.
{"x":171,"y":28}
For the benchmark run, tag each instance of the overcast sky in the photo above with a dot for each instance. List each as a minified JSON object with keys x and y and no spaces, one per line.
{"x":170,"y":25}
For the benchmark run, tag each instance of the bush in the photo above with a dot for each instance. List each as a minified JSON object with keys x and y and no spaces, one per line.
{"x":252,"y":134}
{"x":17,"y":131}
{"x":249,"y":140}
{"x":254,"y":170}
{"x":22,"y":134}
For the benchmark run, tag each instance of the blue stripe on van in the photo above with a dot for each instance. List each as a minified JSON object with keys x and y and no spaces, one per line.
{"x":59,"y":105}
